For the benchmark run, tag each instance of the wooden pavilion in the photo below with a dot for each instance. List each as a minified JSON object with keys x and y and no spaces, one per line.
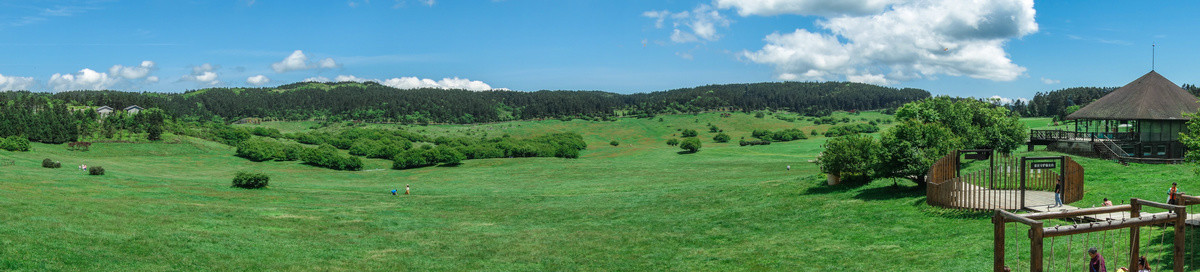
{"x":1139,"y":122}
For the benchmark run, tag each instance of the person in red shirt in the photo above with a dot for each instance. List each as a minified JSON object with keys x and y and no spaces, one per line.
{"x":1097,"y":262}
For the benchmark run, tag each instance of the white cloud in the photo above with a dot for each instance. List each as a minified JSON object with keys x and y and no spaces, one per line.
{"x":869,"y":79}
{"x":806,"y":7}
{"x":258,"y":80}
{"x":86,"y":79}
{"x":15,"y":83}
{"x":328,"y":63}
{"x":913,"y":39}
{"x":152,"y":79}
{"x":317,"y":79}
{"x":428,"y":2}
{"x":1050,"y":81}
{"x":418,"y":83}
{"x":685,"y":55}
{"x":296,"y":61}
{"x":658,"y":16}
{"x":203,"y":74}
{"x":999,"y":100}
{"x":134,"y":72}
{"x":691,"y":26}
{"x":343,"y":78}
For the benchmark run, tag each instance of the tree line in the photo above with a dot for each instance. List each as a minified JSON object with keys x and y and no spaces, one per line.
{"x":373,"y":102}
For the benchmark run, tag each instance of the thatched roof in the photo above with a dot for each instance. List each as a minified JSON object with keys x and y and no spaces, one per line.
{"x":1150,"y":97}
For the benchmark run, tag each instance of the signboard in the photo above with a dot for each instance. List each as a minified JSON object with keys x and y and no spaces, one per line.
{"x":979,"y":156}
{"x":1043,"y":165}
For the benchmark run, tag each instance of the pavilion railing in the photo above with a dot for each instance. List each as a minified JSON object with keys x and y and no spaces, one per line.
{"x":1061,"y":135}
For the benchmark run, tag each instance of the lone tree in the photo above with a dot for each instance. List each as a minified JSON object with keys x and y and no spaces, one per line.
{"x":691,"y":145}
{"x":851,"y":158}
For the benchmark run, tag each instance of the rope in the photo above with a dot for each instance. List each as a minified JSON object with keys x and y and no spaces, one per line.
{"x":1051,"y":263}
{"x":1070,"y":242}
{"x":1161,"y":238}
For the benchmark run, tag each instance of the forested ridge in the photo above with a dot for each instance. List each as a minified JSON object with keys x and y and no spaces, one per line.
{"x":1059,"y":103}
{"x":1062,"y":102}
{"x":369,"y":101}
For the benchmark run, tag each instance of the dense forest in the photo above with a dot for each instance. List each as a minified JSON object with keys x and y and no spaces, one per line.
{"x":369,"y":101}
{"x":1059,"y":103}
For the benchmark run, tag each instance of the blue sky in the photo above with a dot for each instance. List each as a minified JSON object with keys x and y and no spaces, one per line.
{"x":1010,"y":48}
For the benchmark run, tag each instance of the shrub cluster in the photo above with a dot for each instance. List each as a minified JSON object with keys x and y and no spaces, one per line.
{"x":327,"y":156}
{"x":851,"y":129}
{"x":779,"y":136}
{"x":755,"y":142}
{"x":415,"y":158}
{"x":96,"y":171}
{"x":229,"y":135}
{"x":689,"y":133}
{"x":264,"y":150}
{"x":347,"y":138}
{"x":830,"y":120}
{"x":48,"y":163}
{"x":672,"y":142}
{"x":721,"y":138}
{"x":266,"y":132}
{"x":449,"y":150}
{"x":14,"y":143}
{"x":250,"y":180}
{"x":386,"y":148}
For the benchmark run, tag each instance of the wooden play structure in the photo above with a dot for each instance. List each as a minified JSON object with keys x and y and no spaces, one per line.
{"x":1005,"y":183}
{"x":1120,"y":237}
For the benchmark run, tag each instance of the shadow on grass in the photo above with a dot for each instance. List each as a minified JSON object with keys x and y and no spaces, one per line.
{"x":820,"y":186}
{"x":686,"y":152}
{"x":890,"y":192}
{"x":951,"y":213}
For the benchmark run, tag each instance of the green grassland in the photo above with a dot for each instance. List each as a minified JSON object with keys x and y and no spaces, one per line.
{"x":636,"y":206}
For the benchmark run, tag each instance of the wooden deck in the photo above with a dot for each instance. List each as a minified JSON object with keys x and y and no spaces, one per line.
{"x":1007,"y":199}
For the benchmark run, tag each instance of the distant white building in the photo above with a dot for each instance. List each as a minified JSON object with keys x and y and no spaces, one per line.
{"x":104,"y":111}
{"x":133,"y":109}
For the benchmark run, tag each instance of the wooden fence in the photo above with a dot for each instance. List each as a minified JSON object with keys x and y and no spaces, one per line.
{"x":995,"y":186}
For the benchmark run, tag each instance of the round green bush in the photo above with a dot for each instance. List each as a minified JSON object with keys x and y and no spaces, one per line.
{"x":96,"y":171}
{"x":721,"y":138}
{"x":250,"y":180}
{"x":48,"y":163}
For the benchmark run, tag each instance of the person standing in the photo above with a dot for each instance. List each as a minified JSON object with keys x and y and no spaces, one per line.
{"x":1171,"y":194}
{"x":1058,"y":191}
{"x":789,"y":167}
{"x":1097,"y":262}
{"x":406,"y":189}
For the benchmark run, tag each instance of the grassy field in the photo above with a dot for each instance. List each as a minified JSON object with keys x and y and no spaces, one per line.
{"x":636,"y":206}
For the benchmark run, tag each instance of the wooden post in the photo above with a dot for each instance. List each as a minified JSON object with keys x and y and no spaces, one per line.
{"x":998,"y":242}
{"x":1179,"y":236}
{"x":1022,"y":187}
{"x":1035,"y":247}
{"x":1134,"y":233}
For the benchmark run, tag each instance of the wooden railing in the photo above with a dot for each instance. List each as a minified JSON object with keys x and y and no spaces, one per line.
{"x":997,"y":188}
{"x":1059,"y":135}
